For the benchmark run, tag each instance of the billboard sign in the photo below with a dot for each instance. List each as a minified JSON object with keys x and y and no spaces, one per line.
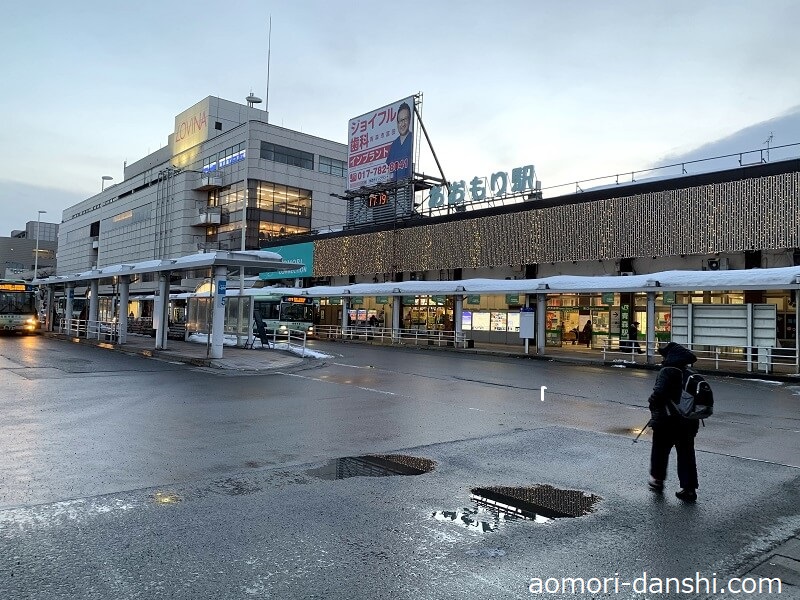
{"x":380,"y":145}
{"x":301,"y":254}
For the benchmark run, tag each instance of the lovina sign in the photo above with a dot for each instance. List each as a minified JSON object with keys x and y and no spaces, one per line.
{"x":522,"y":180}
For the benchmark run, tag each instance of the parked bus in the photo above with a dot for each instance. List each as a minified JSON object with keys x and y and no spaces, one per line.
{"x":18,"y":306}
{"x":279,"y":312}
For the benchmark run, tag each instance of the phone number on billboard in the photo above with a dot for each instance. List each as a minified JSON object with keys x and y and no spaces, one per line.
{"x":379,"y":170}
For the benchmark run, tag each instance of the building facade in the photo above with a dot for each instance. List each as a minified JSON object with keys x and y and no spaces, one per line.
{"x":18,"y":252}
{"x":224,"y":173}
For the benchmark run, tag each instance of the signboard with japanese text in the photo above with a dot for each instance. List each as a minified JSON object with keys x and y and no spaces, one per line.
{"x":380,"y":145}
{"x":480,"y":189}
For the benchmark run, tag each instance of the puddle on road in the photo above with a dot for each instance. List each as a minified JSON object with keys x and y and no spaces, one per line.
{"x":373,"y":465}
{"x":498,"y":505}
{"x":626,"y":431}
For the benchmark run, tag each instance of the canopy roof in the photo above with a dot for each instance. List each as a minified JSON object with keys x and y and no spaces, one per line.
{"x":257,"y":260}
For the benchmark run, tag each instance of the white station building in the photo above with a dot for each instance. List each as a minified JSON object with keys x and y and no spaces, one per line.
{"x":189,"y":195}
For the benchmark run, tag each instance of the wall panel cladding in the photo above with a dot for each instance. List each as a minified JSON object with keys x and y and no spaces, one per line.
{"x":761,"y":213}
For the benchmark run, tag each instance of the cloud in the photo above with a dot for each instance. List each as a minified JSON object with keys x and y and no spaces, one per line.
{"x":22,"y":201}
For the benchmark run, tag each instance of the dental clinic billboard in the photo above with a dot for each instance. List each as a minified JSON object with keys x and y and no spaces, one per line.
{"x":380,"y":145}
{"x":301,"y":254}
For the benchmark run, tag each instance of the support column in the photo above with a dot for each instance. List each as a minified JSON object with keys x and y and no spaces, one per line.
{"x":397,"y":310}
{"x":458,"y":313}
{"x":218,"y":314}
{"x":124,"y":286}
{"x":94,"y":303}
{"x":650,"y":333}
{"x":49,"y":309}
{"x":345,"y":320}
{"x":796,"y":331}
{"x":161,"y":308}
{"x":541,"y":314}
{"x":68,"y":307}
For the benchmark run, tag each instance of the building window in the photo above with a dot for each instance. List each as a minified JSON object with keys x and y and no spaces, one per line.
{"x":282,"y":210}
{"x":287,"y":156}
{"x":332,"y":166}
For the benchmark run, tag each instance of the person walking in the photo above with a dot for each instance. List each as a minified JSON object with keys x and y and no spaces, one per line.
{"x":633,"y":336}
{"x":587,"y":333}
{"x":669,"y":428}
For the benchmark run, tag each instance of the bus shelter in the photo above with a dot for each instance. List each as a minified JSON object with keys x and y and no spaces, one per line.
{"x":218,"y":262}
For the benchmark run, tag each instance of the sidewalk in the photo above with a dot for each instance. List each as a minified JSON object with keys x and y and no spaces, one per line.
{"x":235,"y":359}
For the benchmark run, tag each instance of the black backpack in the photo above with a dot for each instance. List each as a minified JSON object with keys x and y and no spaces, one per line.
{"x":696,"y":401}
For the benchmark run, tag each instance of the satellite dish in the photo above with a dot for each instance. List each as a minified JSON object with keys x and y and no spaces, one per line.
{"x":251,"y":99}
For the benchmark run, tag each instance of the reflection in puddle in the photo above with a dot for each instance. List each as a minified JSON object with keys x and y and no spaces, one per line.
{"x":374,"y":465}
{"x":498,"y":505}
{"x":544,"y":500}
{"x":484,"y":518}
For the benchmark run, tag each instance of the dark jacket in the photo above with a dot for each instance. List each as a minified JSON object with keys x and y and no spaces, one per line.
{"x":668,"y":387}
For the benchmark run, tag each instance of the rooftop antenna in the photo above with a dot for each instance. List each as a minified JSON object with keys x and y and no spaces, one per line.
{"x":767,"y":142}
{"x":269,"y":54}
{"x":251,"y":99}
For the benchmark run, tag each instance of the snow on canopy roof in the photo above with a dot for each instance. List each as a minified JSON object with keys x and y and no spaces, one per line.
{"x":263,"y":260}
{"x":782,"y":278}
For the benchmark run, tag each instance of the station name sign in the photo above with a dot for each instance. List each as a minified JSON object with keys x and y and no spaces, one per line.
{"x":499,"y":186}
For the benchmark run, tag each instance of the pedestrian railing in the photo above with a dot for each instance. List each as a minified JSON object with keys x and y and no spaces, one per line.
{"x":764,"y":359}
{"x":387,"y":335}
{"x":91,"y":330}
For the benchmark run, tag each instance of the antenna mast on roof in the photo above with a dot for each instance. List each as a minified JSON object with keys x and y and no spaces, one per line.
{"x":769,"y":140}
{"x":269,"y":53}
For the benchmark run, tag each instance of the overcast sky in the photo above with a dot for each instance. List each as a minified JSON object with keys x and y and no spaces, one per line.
{"x":578,"y":89}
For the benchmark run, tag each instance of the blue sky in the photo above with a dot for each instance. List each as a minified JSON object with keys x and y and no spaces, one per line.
{"x":578,"y":89}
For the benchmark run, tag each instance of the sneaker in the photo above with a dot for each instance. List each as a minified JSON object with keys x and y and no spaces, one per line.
{"x":655,"y":485}
{"x":686,"y":495}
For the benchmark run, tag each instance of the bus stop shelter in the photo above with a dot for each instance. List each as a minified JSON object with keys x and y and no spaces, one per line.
{"x":219,"y":262}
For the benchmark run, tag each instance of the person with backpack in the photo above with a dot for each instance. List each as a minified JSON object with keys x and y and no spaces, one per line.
{"x":670,"y":428}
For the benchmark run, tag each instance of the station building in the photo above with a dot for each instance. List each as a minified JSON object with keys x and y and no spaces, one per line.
{"x":222,"y":156}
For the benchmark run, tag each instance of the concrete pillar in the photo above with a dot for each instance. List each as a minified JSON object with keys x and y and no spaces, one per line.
{"x":161,"y":308}
{"x":397,"y":310}
{"x":650,"y":333}
{"x":69,"y":304}
{"x":94,"y":303}
{"x":345,"y":309}
{"x":218,"y":312}
{"x":124,"y":287}
{"x":541,"y":315}
{"x":458,"y":312}
{"x":49,"y":309}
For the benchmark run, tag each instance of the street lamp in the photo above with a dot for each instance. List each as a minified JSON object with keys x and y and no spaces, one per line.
{"x":36,"y":255}
{"x":103,"y":180}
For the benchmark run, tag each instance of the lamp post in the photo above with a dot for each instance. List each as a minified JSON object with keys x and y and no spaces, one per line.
{"x":36,"y":254}
{"x":103,"y":180}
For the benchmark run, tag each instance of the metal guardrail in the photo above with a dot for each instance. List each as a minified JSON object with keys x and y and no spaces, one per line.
{"x":293,"y":338}
{"x":387,"y":335}
{"x":91,"y":330}
{"x":764,"y":359}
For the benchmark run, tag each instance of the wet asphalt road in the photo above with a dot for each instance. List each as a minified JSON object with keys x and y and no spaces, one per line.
{"x":91,"y":439}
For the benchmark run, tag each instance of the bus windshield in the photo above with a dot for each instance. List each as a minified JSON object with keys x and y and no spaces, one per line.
{"x":17,"y":303}
{"x":302,"y":313}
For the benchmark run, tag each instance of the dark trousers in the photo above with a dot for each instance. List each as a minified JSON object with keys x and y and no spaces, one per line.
{"x":664,"y":438}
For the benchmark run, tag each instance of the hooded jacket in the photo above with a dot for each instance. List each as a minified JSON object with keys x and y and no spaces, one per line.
{"x":669,"y":385}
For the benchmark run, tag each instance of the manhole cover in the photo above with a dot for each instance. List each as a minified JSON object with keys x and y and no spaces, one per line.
{"x":373,"y":465}
{"x":534,"y":502}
